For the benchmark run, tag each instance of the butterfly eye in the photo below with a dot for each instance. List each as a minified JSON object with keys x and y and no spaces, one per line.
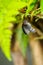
{"x":27,"y":28}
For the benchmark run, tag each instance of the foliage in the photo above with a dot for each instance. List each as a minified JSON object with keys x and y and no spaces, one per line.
{"x":41,"y":6}
{"x":8,"y":10}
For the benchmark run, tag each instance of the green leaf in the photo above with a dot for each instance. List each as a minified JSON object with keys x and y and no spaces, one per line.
{"x":5,"y":37}
{"x":8,"y":8}
{"x":41,"y":6}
